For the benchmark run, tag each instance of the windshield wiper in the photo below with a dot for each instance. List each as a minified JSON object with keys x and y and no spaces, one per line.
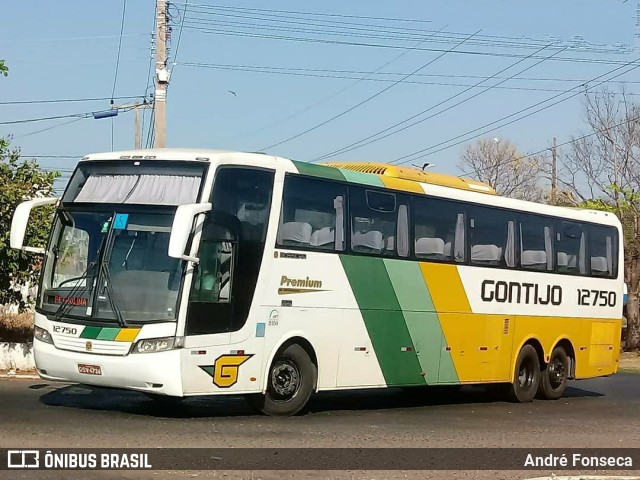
{"x":104,"y":270}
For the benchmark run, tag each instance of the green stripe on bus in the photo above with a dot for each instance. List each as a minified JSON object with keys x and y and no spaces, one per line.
{"x":422,"y":321}
{"x":363,"y":178}
{"x":108,"y":333}
{"x":383,"y":319}
{"x":306,"y":168}
{"x":90,"y":332}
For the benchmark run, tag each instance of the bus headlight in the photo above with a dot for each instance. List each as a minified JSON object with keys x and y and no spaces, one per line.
{"x":149,"y":345}
{"x":42,"y":335}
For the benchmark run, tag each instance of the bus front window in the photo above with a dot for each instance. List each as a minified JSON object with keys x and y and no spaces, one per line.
{"x":109,"y":265}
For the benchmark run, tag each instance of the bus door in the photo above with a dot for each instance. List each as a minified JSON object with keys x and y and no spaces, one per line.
{"x":224,"y":281}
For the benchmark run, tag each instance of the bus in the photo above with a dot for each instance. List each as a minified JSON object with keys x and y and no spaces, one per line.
{"x":179,"y":272}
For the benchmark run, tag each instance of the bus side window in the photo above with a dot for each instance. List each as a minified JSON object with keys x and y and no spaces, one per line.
{"x":492,"y":237}
{"x":571,"y":248}
{"x":379,"y":222}
{"x":312,"y":215}
{"x":438,"y":230}
{"x":536,"y":243}
{"x":603,"y":251}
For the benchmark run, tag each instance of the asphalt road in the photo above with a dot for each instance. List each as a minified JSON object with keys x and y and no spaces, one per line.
{"x":603,"y":412}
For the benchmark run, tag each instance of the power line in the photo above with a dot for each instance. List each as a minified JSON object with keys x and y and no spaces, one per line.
{"x":344,"y":112}
{"x":52,"y":127}
{"x":51,"y":156}
{"x":258,"y":68}
{"x":67,"y":100}
{"x":420,"y":154}
{"x":175,"y":55}
{"x":371,"y":138}
{"x":279,"y":15}
{"x":115,"y":77}
{"x":41,"y":119}
{"x":326,"y":99}
{"x":56,"y":117}
{"x":333,"y":15}
{"x":382,"y":45}
{"x":301,"y":72}
{"x":354,"y":30}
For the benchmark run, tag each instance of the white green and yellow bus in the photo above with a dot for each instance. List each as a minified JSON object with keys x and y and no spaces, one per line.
{"x":179,"y":272}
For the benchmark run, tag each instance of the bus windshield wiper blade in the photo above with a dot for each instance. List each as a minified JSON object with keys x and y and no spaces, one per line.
{"x":111,"y":296}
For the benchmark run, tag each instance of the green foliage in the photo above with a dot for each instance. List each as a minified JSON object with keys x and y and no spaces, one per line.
{"x":21,"y":180}
{"x":4,"y":70}
{"x":627,"y":208}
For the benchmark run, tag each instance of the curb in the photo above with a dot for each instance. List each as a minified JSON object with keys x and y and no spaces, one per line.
{"x":16,"y":357}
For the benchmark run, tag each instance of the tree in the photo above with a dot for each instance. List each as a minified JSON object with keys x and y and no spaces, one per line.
{"x":498,"y":163}
{"x":602,"y":171}
{"x":4,"y":70}
{"x":20,"y":180}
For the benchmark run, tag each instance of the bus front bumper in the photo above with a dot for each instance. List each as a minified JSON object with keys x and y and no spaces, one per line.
{"x":157,"y":372}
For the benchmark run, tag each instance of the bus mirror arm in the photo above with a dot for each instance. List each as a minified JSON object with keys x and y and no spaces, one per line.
{"x":20,"y":221}
{"x":181,"y":229}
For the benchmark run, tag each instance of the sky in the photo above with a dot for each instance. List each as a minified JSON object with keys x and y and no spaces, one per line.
{"x":306,"y":79}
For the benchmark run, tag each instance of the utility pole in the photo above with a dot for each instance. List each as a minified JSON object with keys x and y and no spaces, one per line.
{"x":554,"y":171}
{"x":162,"y":76}
{"x":136,"y":125}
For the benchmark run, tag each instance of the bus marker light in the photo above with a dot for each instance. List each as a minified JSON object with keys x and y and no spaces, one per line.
{"x":253,"y":379}
{"x":237,"y":352}
{"x":406,"y":349}
{"x":198,"y":352}
{"x":360,"y":349}
{"x":448,"y":349}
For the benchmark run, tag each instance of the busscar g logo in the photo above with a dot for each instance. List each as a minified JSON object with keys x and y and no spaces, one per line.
{"x":23,"y":459}
{"x":88,"y":346}
{"x":224,"y":370}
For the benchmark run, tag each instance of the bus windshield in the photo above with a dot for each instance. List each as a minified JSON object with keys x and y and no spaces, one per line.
{"x":111,"y":266}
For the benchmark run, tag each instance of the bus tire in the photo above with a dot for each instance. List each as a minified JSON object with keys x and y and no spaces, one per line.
{"x":291,"y":381}
{"x":526,"y":376}
{"x":553,"y":379}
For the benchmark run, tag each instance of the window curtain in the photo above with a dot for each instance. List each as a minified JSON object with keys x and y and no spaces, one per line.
{"x":510,"y":249}
{"x":582,"y":255}
{"x":338,"y":204}
{"x":459,"y":242}
{"x":144,"y":189}
{"x":403,"y":231}
{"x":548,"y":247}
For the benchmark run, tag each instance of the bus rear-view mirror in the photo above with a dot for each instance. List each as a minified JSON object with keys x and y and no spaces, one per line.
{"x":181,"y":229}
{"x":20,"y":221}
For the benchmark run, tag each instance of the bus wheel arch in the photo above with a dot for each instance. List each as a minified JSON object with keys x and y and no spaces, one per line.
{"x":290,"y":379}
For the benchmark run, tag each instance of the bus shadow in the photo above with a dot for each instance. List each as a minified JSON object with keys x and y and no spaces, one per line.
{"x":130,"y":402}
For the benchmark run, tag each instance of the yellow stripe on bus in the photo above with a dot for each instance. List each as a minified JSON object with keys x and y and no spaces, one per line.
{"x":127,"y":335}
{"x":445,"y":287}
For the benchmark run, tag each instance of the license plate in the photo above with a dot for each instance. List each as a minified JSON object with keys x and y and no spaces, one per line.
{"x":89,"y":369}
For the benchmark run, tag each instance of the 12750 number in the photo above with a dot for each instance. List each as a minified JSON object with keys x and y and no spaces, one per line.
{"x":599,"y":298}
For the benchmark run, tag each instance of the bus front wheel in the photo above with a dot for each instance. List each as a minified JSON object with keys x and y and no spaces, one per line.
{"x":527,"y":376}
{"x":292,"y":379}
{"x":553,"y":379}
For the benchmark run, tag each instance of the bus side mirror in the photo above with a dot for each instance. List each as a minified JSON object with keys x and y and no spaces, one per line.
{"x":21,"y":219}
{"x":181,"y":229}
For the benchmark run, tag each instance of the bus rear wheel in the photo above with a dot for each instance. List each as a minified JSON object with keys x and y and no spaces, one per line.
{"x":292,"y":379}
{"x":553,"y":379}
{"x":527,"y":376}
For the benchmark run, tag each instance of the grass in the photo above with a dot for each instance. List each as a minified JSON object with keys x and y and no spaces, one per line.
{"x":16,"y":327}
{"x":630,"y":362}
